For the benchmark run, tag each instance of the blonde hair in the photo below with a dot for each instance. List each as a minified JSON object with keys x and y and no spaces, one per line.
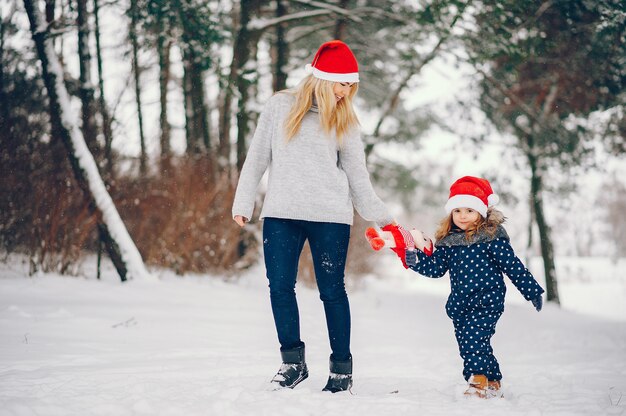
{"x":337,"y":116}
{"x":489,"y":224}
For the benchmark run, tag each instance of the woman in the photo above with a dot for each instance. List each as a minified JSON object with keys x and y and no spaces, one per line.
{"x":309,"y":137}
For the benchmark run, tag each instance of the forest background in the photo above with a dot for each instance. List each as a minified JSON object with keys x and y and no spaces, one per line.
{"x":165,"y":95}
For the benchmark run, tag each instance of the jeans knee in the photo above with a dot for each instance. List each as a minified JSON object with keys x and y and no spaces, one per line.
{"x":333,"y":294}
{"x":280,"y":291}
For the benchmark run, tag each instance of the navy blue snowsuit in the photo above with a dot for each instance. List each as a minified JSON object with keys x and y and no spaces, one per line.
{"x":476,"y":301}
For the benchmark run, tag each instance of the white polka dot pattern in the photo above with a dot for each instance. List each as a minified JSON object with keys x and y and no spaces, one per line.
{"x":476,"y":301}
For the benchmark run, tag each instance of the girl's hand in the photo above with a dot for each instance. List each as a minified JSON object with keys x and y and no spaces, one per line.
{"x":240,"y":220}
{"x":410,"y":258}
{"x":537,"y":303}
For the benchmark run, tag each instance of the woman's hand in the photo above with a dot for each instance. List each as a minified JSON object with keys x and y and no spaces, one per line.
{"x":240,"y":220}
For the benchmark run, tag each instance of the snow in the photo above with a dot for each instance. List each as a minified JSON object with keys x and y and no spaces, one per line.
{"x":202,"y":345}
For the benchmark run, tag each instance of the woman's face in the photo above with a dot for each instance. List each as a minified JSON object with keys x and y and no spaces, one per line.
{"x":464,"y":217}
{"x":341,"y":89}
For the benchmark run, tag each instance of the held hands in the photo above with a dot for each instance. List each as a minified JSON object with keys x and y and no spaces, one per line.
{"x":399,"y":240}
{"x":402,"y":239}
{"x":537,"y":302}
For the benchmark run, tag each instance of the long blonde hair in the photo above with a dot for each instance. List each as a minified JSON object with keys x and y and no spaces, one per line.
{"x":337,"y":116}
{"x":488,"y":224}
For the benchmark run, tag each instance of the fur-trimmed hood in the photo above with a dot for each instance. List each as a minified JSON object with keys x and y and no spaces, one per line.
{"x":491,"y":230}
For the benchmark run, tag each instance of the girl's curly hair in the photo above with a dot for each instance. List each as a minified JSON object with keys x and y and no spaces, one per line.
{"x":488,"y":224}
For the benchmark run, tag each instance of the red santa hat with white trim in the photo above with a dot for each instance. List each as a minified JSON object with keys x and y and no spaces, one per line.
{"x":334,"y":61}
{"x":471,"y":192}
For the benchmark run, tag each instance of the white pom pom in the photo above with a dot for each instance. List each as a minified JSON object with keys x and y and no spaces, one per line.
{"x":308,"y":69}
{"x":493,"y":199}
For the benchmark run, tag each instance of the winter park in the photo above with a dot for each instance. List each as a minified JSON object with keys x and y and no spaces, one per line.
{"x":299,"y":207}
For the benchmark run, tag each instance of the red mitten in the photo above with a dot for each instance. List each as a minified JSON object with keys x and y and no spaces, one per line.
{"x":374,"y":239}
{"x":403,"y":240}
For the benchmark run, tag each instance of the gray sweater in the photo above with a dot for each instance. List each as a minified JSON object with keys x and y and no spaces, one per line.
{"x":311,"y":177}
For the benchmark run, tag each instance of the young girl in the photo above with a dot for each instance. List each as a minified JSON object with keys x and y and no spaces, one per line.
{"x":309,"y":140}
{"x":474,"y":248}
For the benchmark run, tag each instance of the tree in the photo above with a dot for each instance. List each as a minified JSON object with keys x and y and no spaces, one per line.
{"x":198,"y":34}
{"x":120,"y":246}
{"x":133,"y":34}
{"x":104,"y":110}
{"x":545,"y":67}
{"x":86,"y":84}
{"x":193,"y":28}
{"x":280,"y":50}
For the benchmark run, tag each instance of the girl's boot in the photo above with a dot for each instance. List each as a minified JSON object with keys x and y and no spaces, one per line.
{"x":340,"y":378}
{"x":493,"y":389}
{"x":478,"y":385}
{"x":292,"y":371}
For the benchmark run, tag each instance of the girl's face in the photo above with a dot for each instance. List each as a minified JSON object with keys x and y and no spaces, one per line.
{"x":341,"y":89}
{"x":465,"y":217}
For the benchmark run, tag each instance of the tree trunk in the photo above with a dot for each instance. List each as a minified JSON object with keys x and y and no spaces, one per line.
{"x":280,"y":50}
{"x":121,"y":248}
{"x":244,"y":74}
{"x":531,"y":222}
{"x":188,"y":106}
{"x":134,"y":13}
{"x":245,"y":43}
{"x":86,"y":86}
{"x":164,"y":45}
{"x":224,"y":126}
{"x":195,"y":107}
{"x":342,"y":22}
{"x":104,"y":110}
{"x":245,"y":81}
{"x":228,"y":90}
{"x":5,"y":117}
{"x":50,"y":6}
{"x":547,"y":251}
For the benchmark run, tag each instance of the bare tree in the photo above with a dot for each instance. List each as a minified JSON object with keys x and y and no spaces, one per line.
{"x":104,"y":110}
{"x":164,"y":46}
{"x":280,"y":49}
{"x":132,"y":33}
{"x":86,"y":85}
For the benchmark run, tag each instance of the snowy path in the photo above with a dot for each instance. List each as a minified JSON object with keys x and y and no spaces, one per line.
{"x":198,"y":346}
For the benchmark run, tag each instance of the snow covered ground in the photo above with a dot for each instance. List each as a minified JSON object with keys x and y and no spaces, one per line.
{"x":205,"y":346}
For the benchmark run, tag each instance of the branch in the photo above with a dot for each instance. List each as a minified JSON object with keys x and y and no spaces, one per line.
{"x":394,"y":97}
{"x":298,"y":33}
{"x":525,"y":108}
{"x":263,"y":24}
{"x":322,"y":10}
{"x":392,"y":101}
{"x":338,"y":10}
{"x":547,"y":105}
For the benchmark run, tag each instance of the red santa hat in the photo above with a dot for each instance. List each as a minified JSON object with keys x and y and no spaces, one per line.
{"x":334,"y":61}
{"x":471,"y":192}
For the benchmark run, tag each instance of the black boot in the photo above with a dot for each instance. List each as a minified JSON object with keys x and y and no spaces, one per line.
{"x":293,"y":370}
{"x":340,"y":378}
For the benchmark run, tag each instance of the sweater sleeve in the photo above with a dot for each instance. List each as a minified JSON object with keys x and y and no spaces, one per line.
{"x":431,"y":266}
{"x":502,"y":253}
{"x":256,"y":163}
{"x":367,"y":203}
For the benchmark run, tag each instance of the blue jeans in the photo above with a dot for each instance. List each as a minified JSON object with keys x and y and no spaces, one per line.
{"x":283,"y":240}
